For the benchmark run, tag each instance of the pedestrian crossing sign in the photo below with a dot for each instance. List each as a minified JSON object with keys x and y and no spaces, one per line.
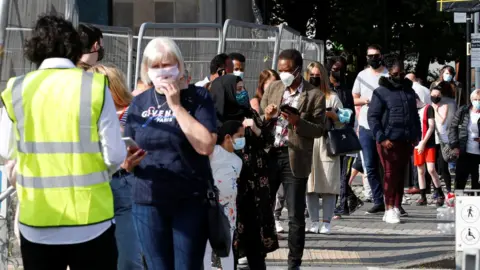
{"x":467,"y":222}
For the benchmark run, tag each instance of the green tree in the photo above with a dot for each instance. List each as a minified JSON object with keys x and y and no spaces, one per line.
{"x":404,"y":27}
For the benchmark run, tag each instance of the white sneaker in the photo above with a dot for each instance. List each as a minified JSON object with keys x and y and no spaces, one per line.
{"x":314,"y":228}
{"x":392,"y":217}
{"x":325,"y":228}
{"x":278,"y":226}
{"x":243,"y":261}
{"x":385,"y":216}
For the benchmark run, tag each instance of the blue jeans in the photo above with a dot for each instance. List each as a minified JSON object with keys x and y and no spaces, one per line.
{"x":129,"y":255}
{"x":372,"y":163}
{"x":174,"y":235}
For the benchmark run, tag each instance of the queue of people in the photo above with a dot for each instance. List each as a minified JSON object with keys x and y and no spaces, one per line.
{"x":110,"y":179}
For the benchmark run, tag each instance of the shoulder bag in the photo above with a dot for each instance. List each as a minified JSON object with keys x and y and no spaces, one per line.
{"x":342,"y":141}
{"x":447,"y":153}
{"x":219,"y":235}
{"x":218,"y":224}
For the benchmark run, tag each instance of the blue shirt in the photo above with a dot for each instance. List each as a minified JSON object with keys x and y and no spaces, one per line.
{"x":172,"y":169}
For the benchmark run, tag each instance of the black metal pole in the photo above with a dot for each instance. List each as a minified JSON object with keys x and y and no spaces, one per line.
{"x":468,"y":83}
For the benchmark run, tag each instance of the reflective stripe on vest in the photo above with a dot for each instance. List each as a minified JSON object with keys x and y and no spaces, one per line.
{"x":62,"y":178}
{"x":84,"y":146}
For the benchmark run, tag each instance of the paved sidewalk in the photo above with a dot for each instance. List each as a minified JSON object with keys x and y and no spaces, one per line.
{"x":359,"y":241}
{"x":364,"y":241}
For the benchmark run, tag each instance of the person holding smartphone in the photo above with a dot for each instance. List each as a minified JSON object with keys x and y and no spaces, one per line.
{"x":291,"y":155}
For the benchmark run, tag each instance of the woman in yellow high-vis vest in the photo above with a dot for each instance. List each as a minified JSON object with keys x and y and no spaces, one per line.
{"x":64,"y":134}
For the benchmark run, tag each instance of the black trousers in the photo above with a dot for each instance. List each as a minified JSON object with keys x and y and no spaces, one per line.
{"x":467,"y":165}
{"x":295,"y":189}
{"x":346,"y":193}
{"x":97,"y":254}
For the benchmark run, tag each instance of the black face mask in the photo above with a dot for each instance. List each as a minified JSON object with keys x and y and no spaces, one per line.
{"x":101,"y":53}
{"x":375,"y":63}
{"x":315,"y":81}
{"x":337,"y":75}
{"x":435,"y":100}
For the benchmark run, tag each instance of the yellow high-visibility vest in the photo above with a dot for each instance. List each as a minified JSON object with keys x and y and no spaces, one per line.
{"x":62,"y":179}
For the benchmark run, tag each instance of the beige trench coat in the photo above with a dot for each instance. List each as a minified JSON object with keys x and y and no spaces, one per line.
{"x":325,"y":175}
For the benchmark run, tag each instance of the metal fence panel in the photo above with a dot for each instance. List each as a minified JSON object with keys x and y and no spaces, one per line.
{"x":256,"y":42}
{"x":311,"y":51}
{"x":198,"y":42}
{"x":24,"y":13}
{"x":118,"y":45}
{"x":13,"y":61}
{"x":289,"y":38}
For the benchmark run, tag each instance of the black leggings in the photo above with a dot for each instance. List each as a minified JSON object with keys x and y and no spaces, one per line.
{"x":443,"y":169}
{"x":467,"y":165}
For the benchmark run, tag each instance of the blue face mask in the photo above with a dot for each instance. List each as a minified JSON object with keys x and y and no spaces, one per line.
{"x":476,"y":104}
{"x":239,"y":143}
{"x":242,"y":97}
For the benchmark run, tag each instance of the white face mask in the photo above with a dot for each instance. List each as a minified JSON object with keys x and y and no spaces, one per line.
{"x":447,"y":77}
{"x":239,"y":73}
{"x":159,"y":75}
{"x":288,"y":78}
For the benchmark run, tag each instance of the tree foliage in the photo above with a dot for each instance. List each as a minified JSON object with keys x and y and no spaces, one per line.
{"x":411,"y":28}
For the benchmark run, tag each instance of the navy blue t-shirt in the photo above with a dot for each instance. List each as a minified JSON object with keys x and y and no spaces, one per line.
{"x":172,"y":169}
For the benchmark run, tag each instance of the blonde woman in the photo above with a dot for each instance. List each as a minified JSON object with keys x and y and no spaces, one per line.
{"x":175,"y":123}
{"x":324,"y":179}
{"x":129,"y":255}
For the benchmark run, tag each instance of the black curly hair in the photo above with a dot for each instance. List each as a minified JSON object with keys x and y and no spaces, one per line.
{"x":89,"y":34}
{"x":53,"y":36}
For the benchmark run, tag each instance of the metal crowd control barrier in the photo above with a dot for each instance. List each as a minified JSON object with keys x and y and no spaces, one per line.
{"x":311,"y":51}
{"x":13,"y":62}
{"x":198,"y":42}
{"x":118,"y":44}
{"x":256,"y":42}
{"x":289,"y":38}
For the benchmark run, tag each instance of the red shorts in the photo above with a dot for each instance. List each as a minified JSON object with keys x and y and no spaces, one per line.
{"x":428,"y":155}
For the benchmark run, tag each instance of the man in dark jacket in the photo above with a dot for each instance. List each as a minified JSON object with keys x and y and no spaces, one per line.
{"x":348,"y":202}
{"x":395,"y":124}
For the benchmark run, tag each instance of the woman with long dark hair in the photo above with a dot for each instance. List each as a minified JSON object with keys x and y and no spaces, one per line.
{"x":266,"y":77}
{"x":255,"y":234}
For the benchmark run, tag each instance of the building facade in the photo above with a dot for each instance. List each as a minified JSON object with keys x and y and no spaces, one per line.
{"x":132,"y":13}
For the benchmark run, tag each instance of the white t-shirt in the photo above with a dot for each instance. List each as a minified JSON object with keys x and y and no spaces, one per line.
{"x":473,"y":147}
{"x":226,"y":169}
{"x":365,"y":83}
{"x":422,"y":92}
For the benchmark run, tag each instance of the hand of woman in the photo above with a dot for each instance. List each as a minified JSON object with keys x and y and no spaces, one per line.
{"x":456,"y":151}
{"x":332,"y":115}
{"x":134,"y":157}
{"x":420,"y":147}
{"x":387,"y":144}
{"x":251,"y":124}
{"x":172,"y":93}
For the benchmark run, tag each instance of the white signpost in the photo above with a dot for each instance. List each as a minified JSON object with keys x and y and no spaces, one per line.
{"x":467,"y":222}
{"x":475,"y":50}
{"x":459,"y":17}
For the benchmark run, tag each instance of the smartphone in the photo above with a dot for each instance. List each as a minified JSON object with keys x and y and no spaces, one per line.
{"x":289,"y":109}
{"x":129,"y":142}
